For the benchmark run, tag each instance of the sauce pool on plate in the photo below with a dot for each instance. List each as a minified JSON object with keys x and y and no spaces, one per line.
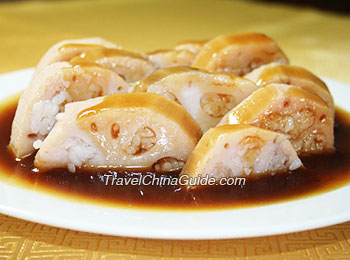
{"x":322,"y":173}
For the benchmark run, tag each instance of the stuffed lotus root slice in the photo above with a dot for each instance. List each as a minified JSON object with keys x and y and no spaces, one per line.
{"x":291,"y":75}
{"x":170,"y":95}
{"x":217,"y":105}
{"x":168,"y":164}
{"x":51,"y":88}
{"x":123,"y":131}
{"x":251,"y":147}
{"x":182,"y":55}
{"x":131,"y":66}
{"x":144,"y":139}
{"x":111,"y":134}
{"x":241,"y":151}
{"x":291,"y":124}
{"x":66,"y":50}
{"x":191,"y":46}
{"x":170,"y":58}
{"x":140,"y":87}
{"x":304,"y":118}
{"x":206,"y":96}
{"x":238,"y":54}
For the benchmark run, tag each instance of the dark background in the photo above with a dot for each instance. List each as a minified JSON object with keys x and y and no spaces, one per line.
{"x":332,"y":5}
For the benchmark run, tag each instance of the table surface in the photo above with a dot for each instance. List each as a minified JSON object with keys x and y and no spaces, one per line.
{"x":317,"y":40}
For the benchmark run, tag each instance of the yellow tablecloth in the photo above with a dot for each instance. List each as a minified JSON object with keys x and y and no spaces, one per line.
{"x":319,"y":41}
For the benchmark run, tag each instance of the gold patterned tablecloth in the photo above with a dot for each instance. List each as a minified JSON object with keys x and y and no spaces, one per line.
{"x":317,"y":40}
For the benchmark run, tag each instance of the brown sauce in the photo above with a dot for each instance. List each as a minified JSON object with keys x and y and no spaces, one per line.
{"x":97,"y":54}
{"x":284,"y":73}
{"x":323,"y":173}
{"x":76,"y":46}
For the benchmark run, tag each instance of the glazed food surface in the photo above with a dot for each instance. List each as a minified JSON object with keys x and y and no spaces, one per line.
{"x":322,"y":173}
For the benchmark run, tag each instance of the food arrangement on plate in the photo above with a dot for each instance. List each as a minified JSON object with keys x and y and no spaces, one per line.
{"x":228,"y":107}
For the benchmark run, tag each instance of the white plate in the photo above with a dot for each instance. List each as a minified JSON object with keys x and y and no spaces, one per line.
{"x":312,"y":212}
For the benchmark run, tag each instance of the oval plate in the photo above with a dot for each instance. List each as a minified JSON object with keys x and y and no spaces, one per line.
{"x":313,"y":212}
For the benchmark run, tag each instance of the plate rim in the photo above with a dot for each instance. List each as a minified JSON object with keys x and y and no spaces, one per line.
{"x":190,"y":222}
